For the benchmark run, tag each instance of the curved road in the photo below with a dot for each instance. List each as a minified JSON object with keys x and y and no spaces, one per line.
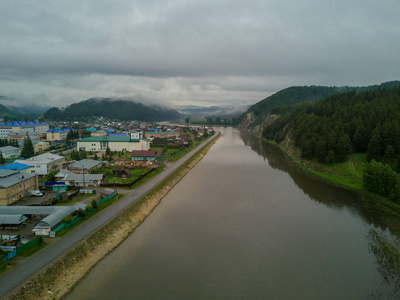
{"x":22,"y":272}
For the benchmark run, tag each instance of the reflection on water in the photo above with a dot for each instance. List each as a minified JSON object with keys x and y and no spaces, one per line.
{"x":319,"y":190}
{"x":243,"y":224}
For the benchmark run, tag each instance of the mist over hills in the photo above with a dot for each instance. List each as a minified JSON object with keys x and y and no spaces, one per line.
{"x":112,"y":108}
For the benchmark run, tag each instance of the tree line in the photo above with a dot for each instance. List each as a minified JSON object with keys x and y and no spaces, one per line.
{"x":332,"y":128}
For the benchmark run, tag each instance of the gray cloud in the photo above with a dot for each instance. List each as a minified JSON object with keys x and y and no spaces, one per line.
{"x":201,"y":52}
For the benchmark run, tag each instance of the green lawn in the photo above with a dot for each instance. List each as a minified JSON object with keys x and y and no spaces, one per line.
{"x":347,"y":173}
{"x":110,"y":178}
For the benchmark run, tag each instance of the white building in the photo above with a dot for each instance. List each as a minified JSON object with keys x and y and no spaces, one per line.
{"x":133,"y":141}
{"x":10,"y":152}
{"x":44,"y":163}
{"x":17,"y":126}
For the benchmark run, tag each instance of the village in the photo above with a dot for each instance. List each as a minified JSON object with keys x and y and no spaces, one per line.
{"x":54,"y":176}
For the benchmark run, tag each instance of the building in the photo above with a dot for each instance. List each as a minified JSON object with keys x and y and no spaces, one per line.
{"x":99,"y":133}
{"x":18,"y":126}
{"x":38,"y":146}
{"x":57,"y":134}
{"x":10,"y":152}
{"x":162,"y":134}
{"x":133,"y":141}
{"x":14,"y":185}
{"x":84,"y":165}
{"x":44,"y":163}
{"x":22,"y":168}
{"x":79,"y":179}
{"x":144,"y":155}
{"x":20,"y":136}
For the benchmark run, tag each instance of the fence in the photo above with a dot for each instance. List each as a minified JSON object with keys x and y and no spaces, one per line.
{"x":10,"y":255}
{"x":174,"y":154}
{"x":23,"y":248}
{"x":29,"y":245}
{"x":82,"y":191}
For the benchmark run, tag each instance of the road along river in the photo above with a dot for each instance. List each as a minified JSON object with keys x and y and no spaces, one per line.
{"x":244,"y":224}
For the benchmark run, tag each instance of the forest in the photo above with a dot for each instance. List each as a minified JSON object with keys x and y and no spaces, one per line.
{"x":109,"y":108}
{"x":284,"y":99}
{"x":330,"y":129}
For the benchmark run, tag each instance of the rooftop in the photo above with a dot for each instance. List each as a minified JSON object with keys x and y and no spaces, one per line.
{"x":23,"y":123}
{"x":15,"y":167}
{"x":9,"y":177}
{"x":8,"y":148}
{"x":85,"y":164}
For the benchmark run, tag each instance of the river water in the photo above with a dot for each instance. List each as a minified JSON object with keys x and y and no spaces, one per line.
{"x":243,"y":224}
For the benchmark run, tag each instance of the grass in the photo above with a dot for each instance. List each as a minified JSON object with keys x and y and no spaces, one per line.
{"x":348,"y":173}
{"x":78,"y":198}
{"x":110,"y":178}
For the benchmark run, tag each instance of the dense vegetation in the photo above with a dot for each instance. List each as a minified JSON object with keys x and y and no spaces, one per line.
{"x":114,"y":109}
{"x":332,"y":128}
{"x":284,"y":99}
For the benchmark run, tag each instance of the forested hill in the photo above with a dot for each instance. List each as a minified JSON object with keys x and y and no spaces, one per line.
{"x":280,"y":101}
{"x":330,"y":129}
{"x":122,"y":110}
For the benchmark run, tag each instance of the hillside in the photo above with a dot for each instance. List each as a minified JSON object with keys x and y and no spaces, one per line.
{"x":258,"y":115}
{"x":117,"y":109}
{"x":330,"y":129}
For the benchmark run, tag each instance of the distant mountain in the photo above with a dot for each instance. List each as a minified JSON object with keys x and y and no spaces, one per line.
{"x":117,"y":109}
{"x":210,"y":111}
{"x":280,"y":101}
{"x":29,"y":109}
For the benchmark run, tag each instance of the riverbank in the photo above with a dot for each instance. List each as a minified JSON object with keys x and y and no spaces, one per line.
{"x":61,"y":276}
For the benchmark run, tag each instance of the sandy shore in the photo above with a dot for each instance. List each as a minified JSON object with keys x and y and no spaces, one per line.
{"x":59,"y":278}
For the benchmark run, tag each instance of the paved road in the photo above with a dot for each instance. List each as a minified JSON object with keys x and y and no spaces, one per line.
{"x":22,"y":272}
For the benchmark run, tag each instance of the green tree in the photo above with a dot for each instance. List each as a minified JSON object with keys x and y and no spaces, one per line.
{"x":27,"y":150}
{"x":94,"y":203}
{"x":374,"y":146}
{"x":379,"y":178}
{"x":390,"y":157}
{"x":187,"y":120}
{"x":2,"y":159}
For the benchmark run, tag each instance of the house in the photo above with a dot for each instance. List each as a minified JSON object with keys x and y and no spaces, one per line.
{"x":14,"y":185}
{"x":148,"y":155}
{"x":38,"y":146}
{"x":84,"y":166}
{"x":99,"y":133}
{"x":133,"y":141}
{"x":121,"y":171}
{"x":22,"y":168}
{"x":17,"y":126}
{"x":79,"y":179}
{"x":10,"y":152}
{"x":162,"y":134}
{"x":44,"y":163}
{"x":57,"y":134}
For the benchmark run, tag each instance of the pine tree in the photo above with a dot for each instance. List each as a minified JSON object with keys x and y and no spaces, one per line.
{"x":374,"y":146}
{"x":2,"y":159}
{"x":27,"y":150}
{"x":390,"y":157}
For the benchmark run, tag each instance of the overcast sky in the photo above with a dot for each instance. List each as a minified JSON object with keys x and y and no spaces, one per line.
{"x":207,"y":52}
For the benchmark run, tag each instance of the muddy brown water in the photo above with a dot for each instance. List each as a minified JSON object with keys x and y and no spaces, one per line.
{"x":243,"y":224}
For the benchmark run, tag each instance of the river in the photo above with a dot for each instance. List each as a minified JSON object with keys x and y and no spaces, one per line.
{"x":244,"y":224}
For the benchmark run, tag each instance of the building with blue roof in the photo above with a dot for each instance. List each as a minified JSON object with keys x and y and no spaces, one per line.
{"x":57,"y":134}
{"x":22,"y":168}
{"x":18,"y":126}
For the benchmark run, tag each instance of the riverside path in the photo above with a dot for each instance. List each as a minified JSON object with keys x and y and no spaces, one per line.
{"x":34,"y":264}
